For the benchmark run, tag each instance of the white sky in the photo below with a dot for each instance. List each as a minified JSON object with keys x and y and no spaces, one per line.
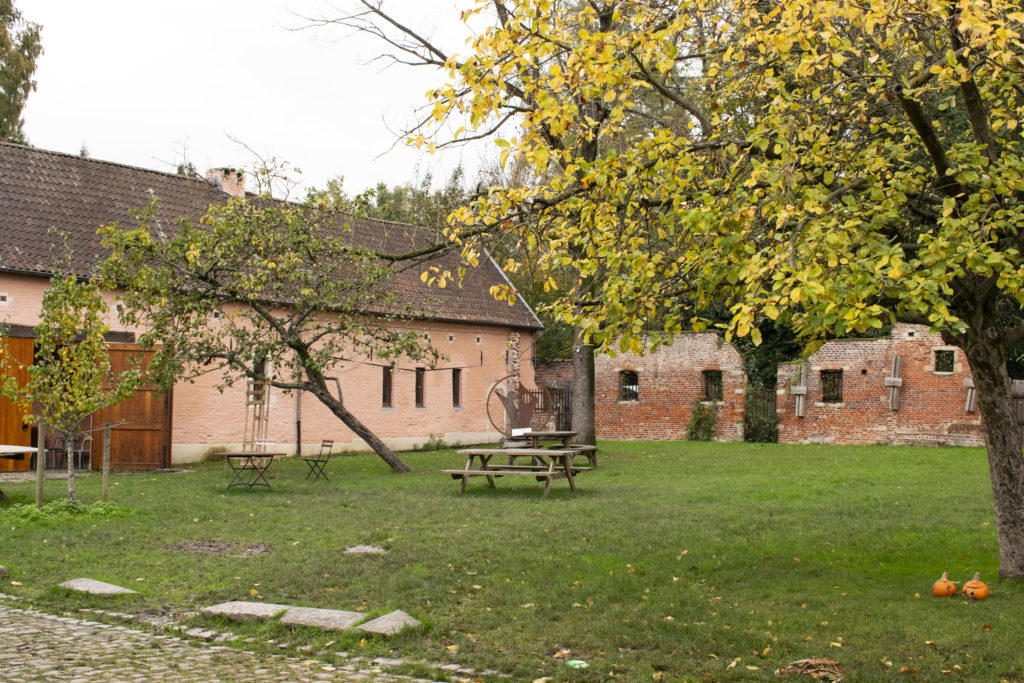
{"x":154,"y":82}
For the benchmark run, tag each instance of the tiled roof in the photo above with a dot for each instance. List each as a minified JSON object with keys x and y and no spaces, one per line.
{"x":77,"y":195}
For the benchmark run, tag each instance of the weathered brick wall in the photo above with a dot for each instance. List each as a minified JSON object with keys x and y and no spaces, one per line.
{"x":932,"y":405}
{"x":671,"y":383}
{"x":555,"y":373}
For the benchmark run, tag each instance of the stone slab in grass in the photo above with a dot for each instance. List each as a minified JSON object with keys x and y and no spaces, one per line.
{"x":366,"y":550}
{"x":389,"y":624}
{"x":241,"y":610}
{"x":323,"y":619}
{"x":94,"y":587}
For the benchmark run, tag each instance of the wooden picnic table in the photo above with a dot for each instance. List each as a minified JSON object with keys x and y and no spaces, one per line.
{"x":546,"y":464}
{"x":15,"y":453}
{"x":565,"y":436}
{"x":536,"y":437}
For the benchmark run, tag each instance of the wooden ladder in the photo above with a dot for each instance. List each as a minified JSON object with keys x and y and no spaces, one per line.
{"x":257,"y":417}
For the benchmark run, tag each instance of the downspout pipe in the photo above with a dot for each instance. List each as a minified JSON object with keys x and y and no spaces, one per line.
{"x":298,"y":422}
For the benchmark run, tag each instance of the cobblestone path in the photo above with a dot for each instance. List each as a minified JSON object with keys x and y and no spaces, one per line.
{"x":42,"y":647}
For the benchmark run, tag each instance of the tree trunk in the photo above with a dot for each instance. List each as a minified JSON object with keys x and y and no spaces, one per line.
{"x":987,"y":358}
{"x":583,"y":390}
{"x":69,"y":452}
{"x":361,"y":430}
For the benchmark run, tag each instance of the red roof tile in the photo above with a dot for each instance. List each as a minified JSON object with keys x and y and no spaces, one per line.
{"x":41,"y":189}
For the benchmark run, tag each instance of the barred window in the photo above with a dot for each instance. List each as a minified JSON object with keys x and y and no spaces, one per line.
{"x":944,"y":360}
{"x":629,"y":386}
{"x":712,"y":385}
{"x":832,"y":386}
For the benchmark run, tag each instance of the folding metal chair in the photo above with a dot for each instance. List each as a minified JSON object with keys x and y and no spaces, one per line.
{"x":80,"y":454}
{"x":83,"y":454}
{"x":317,"y":462}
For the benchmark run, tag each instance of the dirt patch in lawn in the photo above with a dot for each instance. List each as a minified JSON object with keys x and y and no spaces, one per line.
{"x":229,"y":548}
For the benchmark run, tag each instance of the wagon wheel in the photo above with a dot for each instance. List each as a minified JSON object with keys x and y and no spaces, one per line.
{"x":498,"y":410}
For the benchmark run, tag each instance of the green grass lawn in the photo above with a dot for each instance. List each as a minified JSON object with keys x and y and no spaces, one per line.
{"x":673,"y":561}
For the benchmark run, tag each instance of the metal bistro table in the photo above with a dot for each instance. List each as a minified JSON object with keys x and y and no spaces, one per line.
{"x":15,"y":453}
{"x":249,"y":468}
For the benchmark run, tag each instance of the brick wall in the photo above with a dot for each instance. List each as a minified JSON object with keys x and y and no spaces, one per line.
{"x":205,"y":419}
{"x":932,"y":404}
{"x":555,"y":373}
{"x":480,"y":351}
{"x":671,"y":382}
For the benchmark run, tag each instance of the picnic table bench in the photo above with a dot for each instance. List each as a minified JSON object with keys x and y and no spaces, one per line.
{"x":546,"y":464}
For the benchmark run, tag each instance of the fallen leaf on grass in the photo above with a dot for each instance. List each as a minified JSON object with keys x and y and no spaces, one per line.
{"x":823,"y":669}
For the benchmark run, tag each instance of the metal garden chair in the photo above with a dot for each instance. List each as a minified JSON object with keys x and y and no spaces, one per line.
{"x":317,"y":462}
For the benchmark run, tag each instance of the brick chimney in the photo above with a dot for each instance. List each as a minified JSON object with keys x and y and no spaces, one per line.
{"x":230,"y":180}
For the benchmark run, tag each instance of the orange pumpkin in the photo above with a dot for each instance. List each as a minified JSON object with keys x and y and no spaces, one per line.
{"x":975,"y":588}
{"x":944,"y":587}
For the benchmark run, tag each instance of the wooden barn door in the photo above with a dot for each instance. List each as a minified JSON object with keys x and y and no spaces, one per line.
{"x":141,"y":436}
{"x":13,"y":430}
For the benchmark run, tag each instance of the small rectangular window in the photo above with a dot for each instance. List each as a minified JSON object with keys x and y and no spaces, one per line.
{"x":421,"y":374}
{"x":456,"y":387}
{"x":388,"y":377}
{"x":630,"y":386}
{"x":712,"y":385}
{"x":832,"y":386}
{"x":944,"y":360}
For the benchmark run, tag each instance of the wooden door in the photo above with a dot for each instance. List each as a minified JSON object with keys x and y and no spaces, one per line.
{"x":13,"y":430}
{"x":141,"y":435}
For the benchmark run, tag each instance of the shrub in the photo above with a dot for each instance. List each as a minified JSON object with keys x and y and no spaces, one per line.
{"x":702,"y":421}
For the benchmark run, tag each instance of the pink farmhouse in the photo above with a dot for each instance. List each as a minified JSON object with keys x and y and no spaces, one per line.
{"x":481,"y":340}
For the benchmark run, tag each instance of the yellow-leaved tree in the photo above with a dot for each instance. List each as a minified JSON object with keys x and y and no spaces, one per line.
{"x":831,"y":165}
{"x":70,"y":378}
